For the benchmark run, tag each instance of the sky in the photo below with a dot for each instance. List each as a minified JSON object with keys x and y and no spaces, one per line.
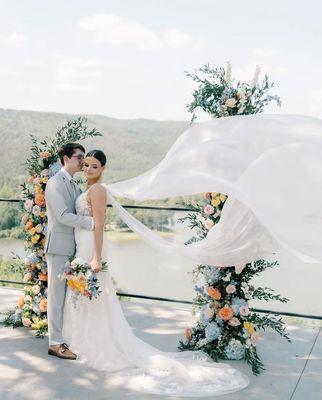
{"x":127,"y":58}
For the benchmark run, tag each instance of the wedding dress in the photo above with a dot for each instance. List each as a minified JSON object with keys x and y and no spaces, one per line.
{"x":99,"y":334}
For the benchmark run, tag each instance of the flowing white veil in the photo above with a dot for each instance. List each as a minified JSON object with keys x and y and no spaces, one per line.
{"x":270,"y":166}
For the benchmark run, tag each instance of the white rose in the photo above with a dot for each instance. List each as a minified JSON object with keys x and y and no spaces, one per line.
{"x":231,"y":102}
{"x":239,"y":268}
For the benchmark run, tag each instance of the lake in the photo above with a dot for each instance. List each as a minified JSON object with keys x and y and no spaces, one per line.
{"x":139,"y":269}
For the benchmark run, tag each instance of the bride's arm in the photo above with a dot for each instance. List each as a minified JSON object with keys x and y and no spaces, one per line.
{"x":97,"y":199}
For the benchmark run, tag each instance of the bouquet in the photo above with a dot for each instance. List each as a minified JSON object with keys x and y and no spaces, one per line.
{"x":81,"y":279}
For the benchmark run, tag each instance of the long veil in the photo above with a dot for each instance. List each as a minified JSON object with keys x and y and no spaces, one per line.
{"x":270,"y":166}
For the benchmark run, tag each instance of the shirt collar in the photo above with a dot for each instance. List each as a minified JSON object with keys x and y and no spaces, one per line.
{"x":67,"y":174}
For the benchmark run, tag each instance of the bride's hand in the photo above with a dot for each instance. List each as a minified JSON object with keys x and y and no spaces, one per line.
{"x":96,"y":265}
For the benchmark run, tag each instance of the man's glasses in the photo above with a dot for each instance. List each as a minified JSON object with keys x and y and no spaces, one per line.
{"x":79,"y":156}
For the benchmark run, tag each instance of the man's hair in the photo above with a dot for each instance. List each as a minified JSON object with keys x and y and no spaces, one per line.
{"x":68,"y":150}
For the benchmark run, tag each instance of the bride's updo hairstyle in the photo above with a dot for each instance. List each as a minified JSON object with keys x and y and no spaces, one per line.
{"x":99,"y":155}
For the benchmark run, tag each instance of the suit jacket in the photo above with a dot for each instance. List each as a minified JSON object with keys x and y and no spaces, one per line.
{"x":62,"y":218}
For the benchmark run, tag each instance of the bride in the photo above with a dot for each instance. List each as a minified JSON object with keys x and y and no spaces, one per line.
{"x":99,"y":334}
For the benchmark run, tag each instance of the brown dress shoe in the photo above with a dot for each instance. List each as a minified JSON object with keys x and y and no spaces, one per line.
{"x":61,"y":351}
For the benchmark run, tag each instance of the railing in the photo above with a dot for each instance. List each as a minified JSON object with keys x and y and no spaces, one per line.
{"x":164,"y":299}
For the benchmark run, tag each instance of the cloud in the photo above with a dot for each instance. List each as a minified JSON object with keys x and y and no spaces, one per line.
{"x":77,"y":68}
{"x":115,"y":30}
{"x":75,"y":74}
{"x":13,"y":39}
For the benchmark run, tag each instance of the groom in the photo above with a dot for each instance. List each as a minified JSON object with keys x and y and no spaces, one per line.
{"x":61,"y":194}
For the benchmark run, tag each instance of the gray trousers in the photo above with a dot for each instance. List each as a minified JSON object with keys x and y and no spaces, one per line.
{"x":56,"y":297}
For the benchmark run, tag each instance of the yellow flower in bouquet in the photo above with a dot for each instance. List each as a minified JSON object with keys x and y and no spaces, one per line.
{"x":77,"y":285}
{"x":42,"y":214}
{"x":35,"y":239}
{"x":38,"y":228}
{"x":32,"y":231}
{"x":249,"y":327}
{"x":45,"y":179}
{"x":222,"y":197}
{"x":216,"y":202}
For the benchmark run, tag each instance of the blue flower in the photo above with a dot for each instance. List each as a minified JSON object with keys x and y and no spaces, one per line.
{"x":54,"y":168}
{"x":236,"y":303}
{"x":212,"y":331}
{"x":32,"y":258}
{"x":203,"y":317}
{"x":211,"y":274}
{"x":235,"y":350}
{"x":199,"y":289}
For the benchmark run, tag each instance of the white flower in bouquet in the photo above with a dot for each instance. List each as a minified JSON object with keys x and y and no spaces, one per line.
{"x":234,"y":322}
{"x":228,"y":74}
{"x":209,"y":312}
{"x":227,"y":277}
{"x":36,"y":289}
{"x":256,"y":76}
{"x":230,"y":103}
{"x":239,"y":269}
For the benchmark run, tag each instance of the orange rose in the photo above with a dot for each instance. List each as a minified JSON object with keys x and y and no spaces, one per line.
{"x":21,"y":302}
{"x":208,"y":195}
{"x":43,"y":241}
{"x":43,"y":305}
{"x":44,"y":154}
{"x":29,"y":225}
{"x":214,"y":293}
{"x":42,"y":277}
{"x":40,"y":200}
{"x":226,"y":313}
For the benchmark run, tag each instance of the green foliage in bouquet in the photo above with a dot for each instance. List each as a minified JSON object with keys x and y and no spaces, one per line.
{"x":42,"y":163}
{"x":218,"y":95}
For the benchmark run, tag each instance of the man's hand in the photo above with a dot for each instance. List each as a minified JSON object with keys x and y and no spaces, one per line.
{"x":96,"y":265}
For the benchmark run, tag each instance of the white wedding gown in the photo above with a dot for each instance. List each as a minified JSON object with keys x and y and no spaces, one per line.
{"x":99,"y":334}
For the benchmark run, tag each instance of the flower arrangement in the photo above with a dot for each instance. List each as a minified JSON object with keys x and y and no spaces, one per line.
{"x":81,"y":279}
{"x":43,"y":163}
{"x":218,"y":95}
{"x":227,"y":327}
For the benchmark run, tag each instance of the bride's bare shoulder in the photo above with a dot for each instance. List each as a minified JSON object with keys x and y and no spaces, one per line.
{"x":97,"y":190}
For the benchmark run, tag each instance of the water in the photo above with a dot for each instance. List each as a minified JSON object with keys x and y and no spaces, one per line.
{"x":139,"y":269}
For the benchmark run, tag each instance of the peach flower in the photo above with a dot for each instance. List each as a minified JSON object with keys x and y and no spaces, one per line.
{"x":29,"y":225}
{"x":26,"y":322}
{"x":27,"y":277}
{"x":43,"y":305}
{"x":44,"y":154}
{"x":24,"y":218}
{"x":226,"y":313}
{"x":208,"y":195}
{"x":21,"y":302}
{"x":209,"y":223}
{"x":40,"y":200}
{"x":188,"y":333}
{"x":214,"y":293}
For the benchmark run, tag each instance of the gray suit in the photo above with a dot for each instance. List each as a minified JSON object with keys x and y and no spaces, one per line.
{"x":60,"y":245}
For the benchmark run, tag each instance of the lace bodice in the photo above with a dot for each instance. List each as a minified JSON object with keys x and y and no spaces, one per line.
{"x":82,"y":206}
